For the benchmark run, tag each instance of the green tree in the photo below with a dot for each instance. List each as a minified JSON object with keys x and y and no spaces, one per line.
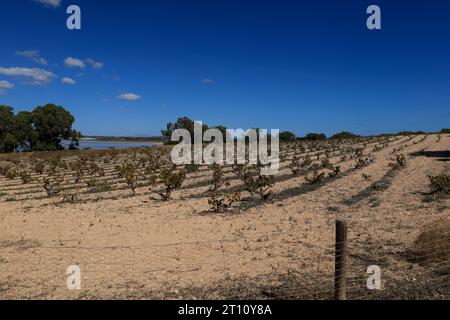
{"x":287,"y":136}
{"x":52,"y":124}
{"x":26,"y":134}
{"x":8,"y":140}
{"x":316,"y":136}
{"x":344,"y":135}
{"x":182,"y":123}
{"x":40,"y":130}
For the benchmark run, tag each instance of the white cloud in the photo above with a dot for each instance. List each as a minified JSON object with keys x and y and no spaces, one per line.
{"x":6,"y":84}
{"x":50,"y":3}
{"x":39,"y":76}
{"x":74,"y":63}
{"x":94,"y":64}
{"x":33,"y":55}
{"x":67,"y":80}
{"x":129,"y":96}
{"x":207,"y":81}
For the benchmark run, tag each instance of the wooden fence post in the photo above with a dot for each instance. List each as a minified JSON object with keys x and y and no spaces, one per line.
{"x":341,"y":261}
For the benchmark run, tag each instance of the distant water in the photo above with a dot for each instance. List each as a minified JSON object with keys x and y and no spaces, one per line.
{"x":94,"y":144}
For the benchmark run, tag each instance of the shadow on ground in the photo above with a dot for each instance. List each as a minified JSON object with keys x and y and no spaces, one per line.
{"x":443,"y":155}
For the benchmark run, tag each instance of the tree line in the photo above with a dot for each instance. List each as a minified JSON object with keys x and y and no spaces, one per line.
{"x":285,"y":136}
{"x":42,"y":129}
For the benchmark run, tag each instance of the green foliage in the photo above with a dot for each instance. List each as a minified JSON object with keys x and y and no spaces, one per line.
{"x":445,"y":130}
{"x":8,"y":127}
{"x":4,"y":169}
{"x":43,"y":129}
{"x":336,"y":170}
{"x":25,"y":176}
{"x":411,"y":133}
{"x":181,"y":123}
{"x":254,"y":181}
{"x":11,"y":174}
{"x":128,"y":171}
{"x":316,"y":137}
{"x":53,"y":184}
{"x":171,"y":179}
{"x":287,"y":136}
{"x":39,"y":167}
{"x":440,"y":183}
{"x":344,"y":135}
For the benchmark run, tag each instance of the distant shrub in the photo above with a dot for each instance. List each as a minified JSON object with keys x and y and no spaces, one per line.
{"x":98,"y":185}
{"x":445,"y":130}
{"x":411,"y":133}
{"x":287,"y":136}
{"x":95,"y":169}
{"x":316,"y":136}
{"x":4,"y":169}
{"x":39,"y":167}
{"x":11,"y":174}
{"x":128,"y":171}
{"x":25,"y":176}
{"x":344,"y":135}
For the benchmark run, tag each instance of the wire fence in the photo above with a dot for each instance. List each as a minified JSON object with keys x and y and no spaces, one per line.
{"x":263,"y":266}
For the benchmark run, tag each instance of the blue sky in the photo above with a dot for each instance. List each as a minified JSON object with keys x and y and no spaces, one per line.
{"x":294,"y":65}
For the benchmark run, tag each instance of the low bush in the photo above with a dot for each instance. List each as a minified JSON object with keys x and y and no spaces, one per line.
{"x":399,"y":162}
{"x":222,"y":203}
{"x":254,"y":181}
{"x":53,"y":184}
{"x":172,"y":180}
{"x":440,"y":183}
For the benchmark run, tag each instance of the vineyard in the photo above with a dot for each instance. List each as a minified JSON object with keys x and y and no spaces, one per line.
{"x":140,"y":227}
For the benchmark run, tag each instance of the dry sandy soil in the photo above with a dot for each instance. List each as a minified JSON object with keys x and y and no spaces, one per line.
{"x":138,"y":247}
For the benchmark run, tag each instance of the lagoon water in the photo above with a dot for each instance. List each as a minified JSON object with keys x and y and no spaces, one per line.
{"x":94,"y":144}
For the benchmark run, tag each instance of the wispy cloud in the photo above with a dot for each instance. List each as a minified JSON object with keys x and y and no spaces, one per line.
{"x":39,"y":76}
{"x":33,"y":55}
{"x":5,"y":86}
{"x":74,"y":63}
{"x":94,"y":64}
{"x":129,"y":97}
{"x":207,"y":81}
{"x":50,"y":3}
{"x":67,"y":80}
